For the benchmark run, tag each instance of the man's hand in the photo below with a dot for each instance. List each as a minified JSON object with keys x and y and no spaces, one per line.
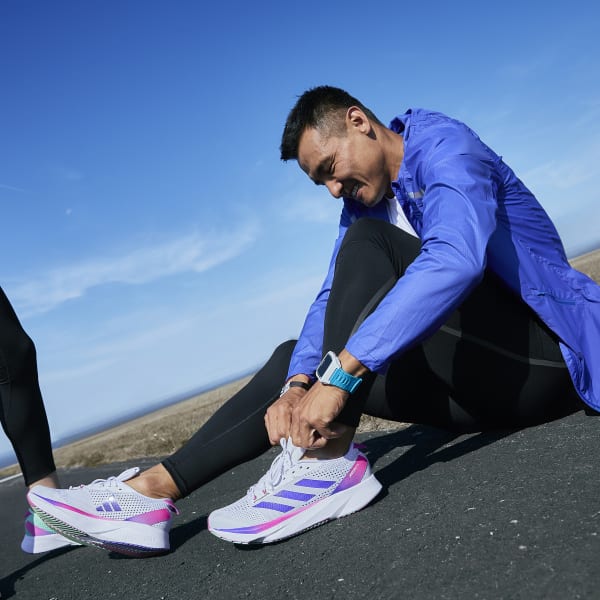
{"x":278,"y":418}
{"x":313,"y":416}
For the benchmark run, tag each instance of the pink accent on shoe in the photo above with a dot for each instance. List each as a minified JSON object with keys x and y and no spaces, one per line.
{"x":264,"y":526}
{"x":354,"y":475}
{"x":154,"y":517}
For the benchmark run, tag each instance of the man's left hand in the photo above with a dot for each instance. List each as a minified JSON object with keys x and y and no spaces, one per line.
{"x":313,"y":417}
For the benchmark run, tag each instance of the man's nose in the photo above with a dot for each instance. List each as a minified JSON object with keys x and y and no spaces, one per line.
{"x":335,"y":188}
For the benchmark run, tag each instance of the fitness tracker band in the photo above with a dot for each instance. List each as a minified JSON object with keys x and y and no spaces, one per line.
{"x":330,"y":372}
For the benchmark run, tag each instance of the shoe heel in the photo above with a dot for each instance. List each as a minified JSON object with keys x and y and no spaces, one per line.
{"x":360,"y":495}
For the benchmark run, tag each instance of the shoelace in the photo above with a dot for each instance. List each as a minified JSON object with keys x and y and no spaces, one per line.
{"x":289,"y":456}
{"x":111,"y":481}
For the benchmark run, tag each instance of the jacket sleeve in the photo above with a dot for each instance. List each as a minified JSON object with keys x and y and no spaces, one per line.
{"x":309,"y":349}
{"x":456,"y":172}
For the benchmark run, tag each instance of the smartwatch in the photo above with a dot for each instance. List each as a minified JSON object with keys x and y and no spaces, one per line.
{"x":330,"y":372}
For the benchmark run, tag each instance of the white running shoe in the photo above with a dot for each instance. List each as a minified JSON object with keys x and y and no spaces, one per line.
{"x":295,"y":495}
{"x":40,"y":538}
{"x":108,"y":514}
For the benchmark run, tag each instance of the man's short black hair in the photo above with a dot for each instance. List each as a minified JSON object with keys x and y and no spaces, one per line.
{"x":322,"y":108}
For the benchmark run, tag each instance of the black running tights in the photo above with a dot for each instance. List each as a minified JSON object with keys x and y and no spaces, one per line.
{"x":493,"y":364}
{"x":22,"y":411}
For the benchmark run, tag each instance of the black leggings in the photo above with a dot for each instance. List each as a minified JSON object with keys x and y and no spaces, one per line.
{"x":22,"y":411}
{"x":493,"y":364}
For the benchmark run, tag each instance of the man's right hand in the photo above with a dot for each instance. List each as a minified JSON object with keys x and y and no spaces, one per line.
{"x":278,"y":418}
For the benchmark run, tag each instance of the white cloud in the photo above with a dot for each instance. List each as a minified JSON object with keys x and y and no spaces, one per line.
{"x":11,"y":188}
{"x":298,"y":290}
{"x":587,"y":116}
{"x":319,"y":207}
{"x":195,"y":252}
{"x":576,"y":168}
{"x":563,"y":175}
{"x":66,"y":173}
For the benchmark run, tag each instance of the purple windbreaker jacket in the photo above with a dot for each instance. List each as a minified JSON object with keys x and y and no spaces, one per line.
{"x":471,"y":212}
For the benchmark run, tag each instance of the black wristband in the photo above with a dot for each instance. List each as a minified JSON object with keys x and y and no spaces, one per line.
{"x":291,"y":384}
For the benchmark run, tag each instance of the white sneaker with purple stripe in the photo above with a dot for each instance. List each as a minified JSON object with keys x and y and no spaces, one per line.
{"x":296,"y":494}
{"x":107,"y":514}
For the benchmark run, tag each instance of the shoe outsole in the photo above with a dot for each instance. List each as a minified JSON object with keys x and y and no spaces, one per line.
{"x":48,"y":543}
{"x":81,"y":537}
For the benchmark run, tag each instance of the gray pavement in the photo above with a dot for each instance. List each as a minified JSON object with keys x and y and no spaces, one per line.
{"x":508,"y":515}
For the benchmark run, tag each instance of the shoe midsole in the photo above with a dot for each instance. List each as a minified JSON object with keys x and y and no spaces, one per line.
{"x":331,"y":507}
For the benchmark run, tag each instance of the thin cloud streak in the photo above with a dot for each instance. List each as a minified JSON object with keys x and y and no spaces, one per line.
{"x":314,"y":208}
{"x":66,"y":173}
{"x":11,"y":188}
{"x":195,"y":252}
{"x":568,"y":173}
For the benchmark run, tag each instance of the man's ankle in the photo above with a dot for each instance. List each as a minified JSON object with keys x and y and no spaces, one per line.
{"x":334,"y":448}
{"x":157,"y":483}
{"x":50,"y":480}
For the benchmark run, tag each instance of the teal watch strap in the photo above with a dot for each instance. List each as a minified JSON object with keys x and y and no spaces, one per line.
{"x":345,"y":381}
{"x":330,"y":372}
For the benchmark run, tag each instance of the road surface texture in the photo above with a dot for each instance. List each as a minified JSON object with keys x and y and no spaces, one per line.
{"x":514,"y":514}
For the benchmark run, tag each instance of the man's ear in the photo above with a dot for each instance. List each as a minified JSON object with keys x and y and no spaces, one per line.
{"x":356,"y":119}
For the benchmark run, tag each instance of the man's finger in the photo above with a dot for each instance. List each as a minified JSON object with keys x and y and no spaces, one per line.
{"x":302,"y":434}
{"x":273,"y":430}
{"x":332,"y":431}
{"x":316,"y":441}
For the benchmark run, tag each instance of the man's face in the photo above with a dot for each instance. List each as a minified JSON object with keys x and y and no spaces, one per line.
{"x":352,"y":166}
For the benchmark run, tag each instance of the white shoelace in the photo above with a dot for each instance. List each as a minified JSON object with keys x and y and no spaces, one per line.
{"x":111,"y":481}
{"x":289,"y":456}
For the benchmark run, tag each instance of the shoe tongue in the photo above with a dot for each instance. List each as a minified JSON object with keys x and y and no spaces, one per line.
{"x":128,"y":474}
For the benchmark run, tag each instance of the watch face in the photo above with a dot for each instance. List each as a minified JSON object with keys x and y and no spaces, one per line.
{"x":325,"y":364}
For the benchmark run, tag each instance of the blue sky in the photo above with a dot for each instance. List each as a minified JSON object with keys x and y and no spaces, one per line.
{"x":154,"y":243}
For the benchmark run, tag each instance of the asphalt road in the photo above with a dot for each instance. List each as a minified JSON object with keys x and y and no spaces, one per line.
{"x":510,"y":515}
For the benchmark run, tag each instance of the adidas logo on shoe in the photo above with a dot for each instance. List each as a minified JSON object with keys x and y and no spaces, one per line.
{"x":112,"y":506}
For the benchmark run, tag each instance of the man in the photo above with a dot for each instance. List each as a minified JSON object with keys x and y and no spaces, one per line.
{"x":448,"y":301}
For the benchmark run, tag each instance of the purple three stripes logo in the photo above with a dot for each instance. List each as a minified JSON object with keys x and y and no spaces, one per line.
{"x":293,"y":495}
{"x":112,"y":506}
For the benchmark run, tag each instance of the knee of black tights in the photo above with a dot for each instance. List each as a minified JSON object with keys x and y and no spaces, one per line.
{"x":382,"y":234}
{"x":363,"y":229}
{"x":284,"y":350}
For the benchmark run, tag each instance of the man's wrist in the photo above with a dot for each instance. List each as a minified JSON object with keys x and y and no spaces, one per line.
{"x":299,"y":380}
{"x":352,"y":365}
{"x":300,"y":377}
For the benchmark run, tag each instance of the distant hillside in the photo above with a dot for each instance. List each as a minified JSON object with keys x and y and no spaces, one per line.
{"x":589,"y":264}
